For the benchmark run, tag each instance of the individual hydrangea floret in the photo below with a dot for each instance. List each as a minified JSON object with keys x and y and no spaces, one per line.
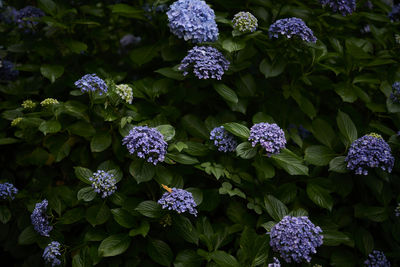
{"x":295,"y":238}
{"x":28,"y":104}
{"x":16,"y":121}
{"x":270,"y":136}
{"x":192,"y":20}
{"x":292,"y":27}
{"x":276,"y":263}
{"x":397,"y":210}
{"x":395,"y":95}
{"x":125,"y":92}
{"x":8,"y":191}
{"x":92,"y":83}
{"x":223,"y":140}
{"x":179,"y":200}
{"x":206,"y":62}
{"x":103,"y":183}
{"x":39,"y":219}
{"x":26,"y":17}
{"x":394,"y":15}
{"x":52,"y":253}
{"x":344,"y":7}
{"x":376,"y":259}
{"x":147,"y":143}
{"x":245,"y":22}
{"x":48,"y":102}
{"x":8,"y":71}
{"x":369,"y":151}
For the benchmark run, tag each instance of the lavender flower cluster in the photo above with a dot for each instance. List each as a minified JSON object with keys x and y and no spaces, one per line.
{"x":376,"y":259}
{"x":345,"y":7}
{"x":223,"y":140}
{"x":8,"y":190}
{"x":52,"y":252}
{"x":295,"y":238}
{"x":147,"y":143}
{"x":245,"y":22}
{"x":394,"y":15}
{"x":24,"y":17}
{"x":276,"y":263}
{"x":369,"y":151}
{"x":395,"y":95}
{"x":206,"y":62}
{"x":103,"y":183}
{"x":192,"y":20}
{"x":179,"y":200}
{"x":270,"y":136}
{"x":8,"y":71}
{"x":40,"y":219}
{"x":292,"y":27}
{"x":92,"y":83}
{"x":129,"y":39}
{"x":9,"y":15}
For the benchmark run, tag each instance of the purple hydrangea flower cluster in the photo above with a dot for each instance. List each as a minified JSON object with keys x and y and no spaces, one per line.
{"x":223,"y":140}
{"x":270,"y":136}
{"x":179,"y":200}
{"x":7,"y":71}
{"x":52,"y":252}
{"x":40,"y":219}
{"x":276,"y":263}
{"x":92,"y":83}
{"x":9,"y":15}
{"x":245,"y":22}
{"x":206,"y":61}
{"x":369,"y":151}
{"x":397,"y":210}
{"x":103,"y":183}
{"x":291,"y":27}
{"x":345,"y":7}
{"x":193,"y":20}
{"x":146,"y":143}
{"x":376,"y":259}
{"x":295,"y":238}
{"x":8,"y":190}
{"x":24,"y":17}
{"x":395,"y":95}
{"x":394,"y":15}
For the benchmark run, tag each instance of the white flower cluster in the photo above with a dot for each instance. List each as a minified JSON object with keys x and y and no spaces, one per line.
{"x":125,"y":92}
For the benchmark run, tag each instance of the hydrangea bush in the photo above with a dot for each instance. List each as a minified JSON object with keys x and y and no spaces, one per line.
{"x":199,"y":133}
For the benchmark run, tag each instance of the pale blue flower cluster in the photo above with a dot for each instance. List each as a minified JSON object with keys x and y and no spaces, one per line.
{"x":276,"y":263}
{"x":345,"y":7}
{"x":39,"y":219}
{"x":295,"y":238}
{"x":395,"y":95}
{"x":223,"y":140}
{"x":377,"y":259}
{"x":369,"y":151}
{"x":292,"y":27}
{"x":245,"y":22}
{"x":103,"y":183}
{"x":9,"y":15}
{"x":270,"y":136}
{"x":146,"y":143}
{"x":179,"y":200}
{"x":192,"y":20}
{"x":25,"y":17}
{"x":8,"y":191}
{"x":394,"y":15}
{"x":206,"y":62}
{"x":52,"y":253}
{"x":92,"y":83}
{"x":129,"y":39}
{"x":8,"y":71}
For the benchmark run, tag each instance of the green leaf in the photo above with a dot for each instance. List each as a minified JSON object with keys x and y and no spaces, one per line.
{"x":83,"y":174}
{"x":127,"y":11}
{"x":254,"y":247}
{"x":123,"y":218}
{"x":335,"y":238}
{"x":114,"y":245}
{"x":364,"y":241}
{"x":160,"y":252}
{"x":171,"y":73}
{"x":275,"y":208}
{"x":232,"y":46}
{"x":195,"y":126}
{"x":143,"y":54}
{"x":237,"y":129}
{"x":227,"y":93}
{"x":264,"y":168}
{"x":376,"y":214}
{"x":319,"y":196}
{"x":48,"y":6}
{"x":182,"y":158}
{"x":97,"y":214}
{"x":142,"y":230}
{"x":86,"y":194}
{"x":290,"y":162}
{"x":52,"y":126}
{"x":319,"y":155}
{"x":338,"y":164}
{"x":323,"y":132}
{"x":5,"y":214}
{"x":8,"y":140}
{"x":185,"y":229}
{"x":392,"y":107}
{"x":272,"y":69}
{"x":73,"y":216}
{"x":28,"y":236}
{"x":246,"y":151}
{"x":167,"y":131}
{"x":150,"y":209}
{"x":76,"y":47}
{"x":224,"y":259}
{"x":52,"y":72}
{"x":188,"y":258}
{"x":346,"y":127}
{"x":142,"y":171}
{"x":100,"y":142}
{"x":82,"y":128}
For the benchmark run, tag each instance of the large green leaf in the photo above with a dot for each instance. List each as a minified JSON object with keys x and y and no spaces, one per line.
{"x":83,"y":174}
{"x":290,"y":162}
{"x":346,"y":127}
{"x":150,"y":209}
{"x":275,"y":208}
{"x":224,"y":259}
{"x":227,"y":93}
{"x":246,"y":151}
{"x":160,"y":252}
{"x":114,"y":245}
{"x":319,"y":196}
{"x":319,"y":155}
{"x":237,"y":129}
{"x":100,"y":142}
{"x":52,"y":72}
{"x":142,"y":171}
{"x":97,"y":214}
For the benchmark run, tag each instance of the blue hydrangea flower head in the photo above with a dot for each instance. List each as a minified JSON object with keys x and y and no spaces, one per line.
{"x":244,"y":22}
{"x":292,"y":27}
{"x":52,"y":253}
{"x":129,"y":39}
{"x":397,"y":210}
{"x":179,"y":200}
{"x":276,"y":263}
{"x":394,"y":15}
{"x":223,"y":140}
{"x":295,"y":238}
{"x":192,"y":20}
{"x":270,"y":136}
{"x":206,"y":62}
{"x":24,"y":17}
{"x":146,"y":143}
{"x":39,"y":219}
{"x":9,"y":15}
{"x":345,"y":7}
{"x":8,"y":191}
{"x":376,"y":259}
{"x":103,"y":183}
{"x":395,"y":95}
{"x":369,"y":151}
{"x":92,"y":83}
{"x":8,"y":71}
